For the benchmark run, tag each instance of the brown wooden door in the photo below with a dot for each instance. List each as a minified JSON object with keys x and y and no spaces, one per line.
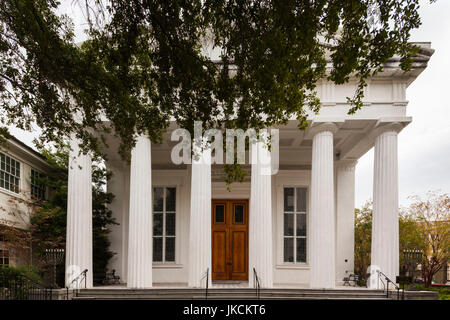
{"x":229,"y":239}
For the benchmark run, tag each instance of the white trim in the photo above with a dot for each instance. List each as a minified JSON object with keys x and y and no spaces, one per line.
{"x":296,"y":266}
{"x":166,"y":265}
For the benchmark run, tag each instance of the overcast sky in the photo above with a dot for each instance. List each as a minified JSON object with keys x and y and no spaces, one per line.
{"x":424,"y":145}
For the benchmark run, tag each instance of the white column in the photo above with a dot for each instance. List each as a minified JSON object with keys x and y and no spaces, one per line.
{"x":322,"y":219}
{"x":200,"y":220}
{"x":140,"y":219}
{"x":79,"y":217}
{"x":385,"y":238}
{"x":260,"y":217}
{"x":345,"y":218}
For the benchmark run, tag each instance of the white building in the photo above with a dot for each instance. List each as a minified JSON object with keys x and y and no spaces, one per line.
{"x":19,"y":167}
{"x":295,"y":228}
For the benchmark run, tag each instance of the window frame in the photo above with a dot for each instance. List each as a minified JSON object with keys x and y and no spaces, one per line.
{"x":4,"y":257}
{"x":44,"y":189}
{"x":164,"y":214}
{"x":4,"y":189}
{"x":294,"y":236}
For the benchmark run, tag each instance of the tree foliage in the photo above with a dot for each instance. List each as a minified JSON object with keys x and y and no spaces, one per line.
{"x":424,"y":225}
{"x":363,"y":239}
{"x":145,"y":62}
{"x":433,"y":221}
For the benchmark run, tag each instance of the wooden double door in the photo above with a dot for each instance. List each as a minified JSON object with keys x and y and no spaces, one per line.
{"x":229,"y":239}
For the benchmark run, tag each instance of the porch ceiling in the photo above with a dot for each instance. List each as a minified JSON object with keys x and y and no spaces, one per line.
{"x":352,"y":140}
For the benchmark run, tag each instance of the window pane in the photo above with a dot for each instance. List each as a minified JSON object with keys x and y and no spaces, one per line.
{"x":288,"y":249}
{"x":220,"y":213}
{"x":239,"y":213}
{"x":301,"y":224}
{"x":301,"y":250}
{"x":170,"y":249}
{"x":157,"y":249}
{"x":301,"y":199}
{"x":170,"y":199}
{"x":158,"y":194}
{"x":289,"y":199}
{"x":157,"y":224}
{"x":288,"y":224}
{"x":170,"y":224}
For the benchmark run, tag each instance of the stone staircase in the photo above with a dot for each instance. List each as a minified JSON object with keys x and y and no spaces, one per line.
{"x":227,"y":294}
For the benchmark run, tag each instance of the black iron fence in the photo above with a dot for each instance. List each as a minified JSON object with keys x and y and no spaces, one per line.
{"x":14,"y":286}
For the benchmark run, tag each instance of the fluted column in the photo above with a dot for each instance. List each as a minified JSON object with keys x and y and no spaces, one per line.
{"x":260,"y":217}
{"x":385,"y":237}
{"x":140,"y":220}
{"x":322,"y":219}
{"x":79,"y":217}
{"x":200,"y":219}
{"x":345,"y":218}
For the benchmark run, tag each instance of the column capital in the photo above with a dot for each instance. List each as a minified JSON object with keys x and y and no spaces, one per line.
{"x":382,"y":127}
{"x":346,"y":164}
{"x":318,"y":127}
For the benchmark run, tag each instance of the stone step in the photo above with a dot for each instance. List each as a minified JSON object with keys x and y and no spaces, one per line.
{"x":240,"y":298}
{"x":227,"y":290}
{"x":227,"y":294}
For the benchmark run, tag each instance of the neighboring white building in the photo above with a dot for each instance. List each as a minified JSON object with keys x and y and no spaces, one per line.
{"x":295,"y":228}
{"x":19,"y":165}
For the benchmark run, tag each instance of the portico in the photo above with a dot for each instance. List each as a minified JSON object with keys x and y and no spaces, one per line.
{"x":300,"y":221}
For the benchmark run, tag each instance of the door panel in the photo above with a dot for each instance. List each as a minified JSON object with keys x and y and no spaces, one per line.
{"x":229,"y":239}
{"x":238,"y":251}
{"x":219,"y":263}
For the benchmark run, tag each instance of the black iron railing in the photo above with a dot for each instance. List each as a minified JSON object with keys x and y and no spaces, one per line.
{"x":78,"y":280}
{"x":381,"y":275}
{"x":206,"y":277}
{"x":256,"y":283}
{"x":15,"y":286}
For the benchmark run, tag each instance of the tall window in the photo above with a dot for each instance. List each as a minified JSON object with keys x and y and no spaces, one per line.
{"x":164,"y":212}
{"x":9,"y":173}
{"x":294,"y":236}
{"x":37,"y":187}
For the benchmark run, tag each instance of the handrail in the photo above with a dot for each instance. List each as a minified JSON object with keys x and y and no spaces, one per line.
{"x":387,"y":284}
{"x":84,"y":274}
{"x":256,"y":283}
{"x":33,"y":282}
{"x":207,"y":283}
{"x":81,"y":276}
